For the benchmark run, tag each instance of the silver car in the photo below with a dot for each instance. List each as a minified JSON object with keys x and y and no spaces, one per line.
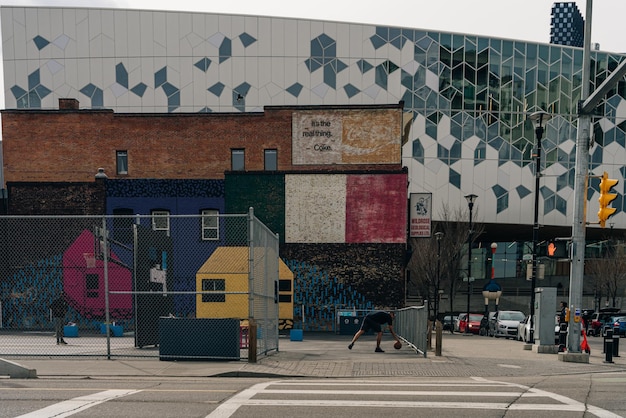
{"x":505,"y":324}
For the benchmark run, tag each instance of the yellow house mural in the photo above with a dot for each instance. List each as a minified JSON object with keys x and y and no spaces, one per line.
{"x":226,"y":270}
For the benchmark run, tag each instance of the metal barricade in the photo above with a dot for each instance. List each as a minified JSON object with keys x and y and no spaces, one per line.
{"x":411,"y":324}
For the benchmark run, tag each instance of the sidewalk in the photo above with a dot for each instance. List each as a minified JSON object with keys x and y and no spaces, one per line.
{"x":327,"y":355}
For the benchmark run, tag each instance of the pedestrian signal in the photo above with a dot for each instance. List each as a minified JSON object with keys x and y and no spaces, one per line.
{"x":606,"y":197}
{"x":557,"y":249}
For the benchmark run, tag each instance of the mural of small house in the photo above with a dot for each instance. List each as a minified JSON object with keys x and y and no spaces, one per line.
{"x":83,"y":280}
{"x":226,"y":270}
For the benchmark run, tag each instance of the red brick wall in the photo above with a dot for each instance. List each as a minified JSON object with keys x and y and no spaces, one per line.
{"x":70,"y":145}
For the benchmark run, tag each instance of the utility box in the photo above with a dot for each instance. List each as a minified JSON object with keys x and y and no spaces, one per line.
{"x":545,"y":311}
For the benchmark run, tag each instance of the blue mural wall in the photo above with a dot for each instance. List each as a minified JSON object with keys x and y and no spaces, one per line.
{"x":178,"y":197}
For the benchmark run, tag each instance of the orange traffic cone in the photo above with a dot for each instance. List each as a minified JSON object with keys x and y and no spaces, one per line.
{"x":584,"y":346}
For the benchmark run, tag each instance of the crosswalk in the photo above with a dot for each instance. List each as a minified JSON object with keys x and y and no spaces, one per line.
{"x":79,"y":404}
{"x":359,"y":396}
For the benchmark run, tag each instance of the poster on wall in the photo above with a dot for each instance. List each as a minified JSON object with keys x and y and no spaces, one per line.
{"x":420,"y":208}
{"x":326,"y":137}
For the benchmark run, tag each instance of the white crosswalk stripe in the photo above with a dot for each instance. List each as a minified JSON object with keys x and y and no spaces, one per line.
{"x":79,"y":404}
{"x":404,"y":394}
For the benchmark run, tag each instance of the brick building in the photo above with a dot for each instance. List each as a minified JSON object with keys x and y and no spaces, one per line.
{"x":327,"y":179}
{"x":70,"y":144}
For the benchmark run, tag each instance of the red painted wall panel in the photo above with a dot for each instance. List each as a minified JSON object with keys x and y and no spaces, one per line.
{"x":376,"y":208}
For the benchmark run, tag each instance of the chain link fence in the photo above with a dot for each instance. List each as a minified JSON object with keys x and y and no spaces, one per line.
{"x":172,"y":286}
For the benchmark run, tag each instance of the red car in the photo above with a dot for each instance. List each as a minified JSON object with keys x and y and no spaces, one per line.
{"x":474,"y":323}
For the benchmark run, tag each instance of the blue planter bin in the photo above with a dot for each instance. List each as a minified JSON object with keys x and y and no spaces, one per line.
{"x":116,"y":330}
{"x":70,"y":331}
{"x":295,"y":335}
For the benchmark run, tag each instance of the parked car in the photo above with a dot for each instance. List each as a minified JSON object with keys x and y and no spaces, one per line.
{"x":448,"y":322}
{"x":600,"y":319}
{"x":505,"y":323}
{"x":457,"y":321}
{"x":618,"y":322}
{"x":474,"y":323}
{"x":523,"y":329}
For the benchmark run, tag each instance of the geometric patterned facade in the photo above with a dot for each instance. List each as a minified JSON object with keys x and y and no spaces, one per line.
{"x":466,"y":97}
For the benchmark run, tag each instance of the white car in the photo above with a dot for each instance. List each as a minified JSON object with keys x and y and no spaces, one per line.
{"x":523,"y":330}
{"x":505,"y":323}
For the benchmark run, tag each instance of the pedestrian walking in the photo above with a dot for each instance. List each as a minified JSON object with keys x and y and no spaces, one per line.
{"x":59,"y":309}
{"x":375,"y":321}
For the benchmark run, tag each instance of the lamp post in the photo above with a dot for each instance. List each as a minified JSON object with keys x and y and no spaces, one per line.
{"x":470,"y":204}
{"x":438,"y":236}
{"x":538,"y":119}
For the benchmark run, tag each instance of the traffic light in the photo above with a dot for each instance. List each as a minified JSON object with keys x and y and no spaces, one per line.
{"x":606,"y":184}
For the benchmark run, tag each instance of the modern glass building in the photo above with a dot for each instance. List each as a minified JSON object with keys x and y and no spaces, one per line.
{"x":466,"y":97}
{"x":567,"y":26}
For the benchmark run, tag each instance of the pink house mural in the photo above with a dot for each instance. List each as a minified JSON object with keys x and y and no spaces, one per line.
{"x":83,"y":280}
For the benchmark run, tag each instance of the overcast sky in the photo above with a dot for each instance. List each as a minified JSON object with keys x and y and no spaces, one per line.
{"x":516,"y":19}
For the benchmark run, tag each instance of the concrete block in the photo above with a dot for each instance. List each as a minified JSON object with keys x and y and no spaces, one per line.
{"x":546,"y":349}
{"x":574,"y":357}
{"x":15,"y":370}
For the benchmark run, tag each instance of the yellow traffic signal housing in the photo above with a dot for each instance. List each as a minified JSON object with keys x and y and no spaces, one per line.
{"x":606,"y":184}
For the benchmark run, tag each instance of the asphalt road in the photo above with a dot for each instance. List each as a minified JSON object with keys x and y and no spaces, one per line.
{"x":320,"y":377}
{"x":586,"y":395}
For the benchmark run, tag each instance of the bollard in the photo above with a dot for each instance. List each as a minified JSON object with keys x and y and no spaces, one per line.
{"x":563,"y":334}
{"x":608,"y":346}
{"x":429,"y":336}
{"x":252,"y":337}
{"x":616,"y":342}
{"x":438,"y":337}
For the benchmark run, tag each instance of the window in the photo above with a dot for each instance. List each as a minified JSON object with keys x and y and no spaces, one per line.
{"x":161,"y":220}
{"x":121,"y":159}
{"x":91,"y":285}
{"x":271,"y":160}
{"x":237,"y":159}
{"x":284,"y":285}
{"x":284,"y":298}
{"x":210,"y":224}
{"x":212,"y":285}
{"x":123,"y":224}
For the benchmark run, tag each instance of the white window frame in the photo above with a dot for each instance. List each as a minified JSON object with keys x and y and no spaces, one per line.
{"x":270,"y":154}
{"x":121,"y":160}
{"x":238,"y":155}
{"x":161,"y":220}
{"x":210,"y":225}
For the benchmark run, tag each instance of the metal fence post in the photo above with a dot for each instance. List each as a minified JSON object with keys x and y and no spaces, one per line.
{"x":107,"y":314}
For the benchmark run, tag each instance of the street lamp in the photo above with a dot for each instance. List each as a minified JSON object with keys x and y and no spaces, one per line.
{"x":470,"y":204}
{"x":538,"y":119}
{"x":438,"y":236}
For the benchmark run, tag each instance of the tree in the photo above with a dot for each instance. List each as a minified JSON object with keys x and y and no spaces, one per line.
{"x":608,"y":272}
{"x":423,"y":262}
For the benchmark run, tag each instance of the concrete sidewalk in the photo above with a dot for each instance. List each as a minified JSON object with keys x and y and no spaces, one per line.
{"x":327,"y":355}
